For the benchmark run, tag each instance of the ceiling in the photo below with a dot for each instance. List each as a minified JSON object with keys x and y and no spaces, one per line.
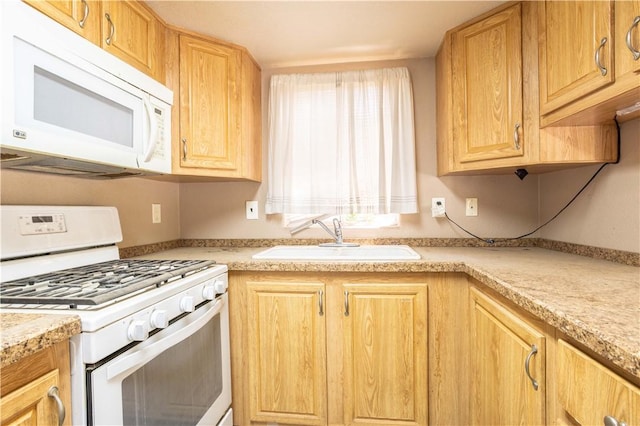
{"x":307,"y":32}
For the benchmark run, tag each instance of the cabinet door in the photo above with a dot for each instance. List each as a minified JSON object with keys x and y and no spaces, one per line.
{"x":385,"y":354}
{"x":130,"y":32}
{"x":502,"y":392}
{"x":588,"y":391}
{"x":487,"y":88}
{"x":287,"y":352}
{"x":208,"y":104}
{"x":576,"y":50}
{"x":80,"y":16}
{"x":30,"y":404}
{"x":627,"y":26}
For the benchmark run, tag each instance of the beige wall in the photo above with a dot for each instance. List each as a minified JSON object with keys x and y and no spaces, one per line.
{"x":606,"y":215}
{"x":507,"y":206}
{"x":132,"y":196}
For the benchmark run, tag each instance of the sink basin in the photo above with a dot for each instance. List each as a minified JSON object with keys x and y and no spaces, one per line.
{"x":378,"y":252}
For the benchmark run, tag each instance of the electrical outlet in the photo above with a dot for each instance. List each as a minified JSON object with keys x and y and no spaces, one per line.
{"x":156,"y":213}
{"x":472,"y":207}
{"x":437,"y":207}
{"x":252,"y":210}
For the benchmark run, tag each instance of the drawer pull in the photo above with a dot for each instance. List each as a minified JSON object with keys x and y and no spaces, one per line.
{"x":55,"y":394}
{"x":112,"y":29}
{"x":321,"y":302}
{"x":602,"y":69}
{"x":346,"y":303}
{"x":534,"y":382}
{"x":612,"y":421}
{"x":634,"y":52}
{"x":86,"y":14}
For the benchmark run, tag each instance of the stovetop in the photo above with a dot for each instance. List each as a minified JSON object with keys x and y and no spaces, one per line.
{"x":98,"y":283}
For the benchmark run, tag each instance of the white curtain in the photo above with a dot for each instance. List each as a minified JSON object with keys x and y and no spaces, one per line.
{"x":342,"y":143}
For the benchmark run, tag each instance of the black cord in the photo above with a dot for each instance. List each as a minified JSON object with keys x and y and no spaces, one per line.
{"x":492,"y":241}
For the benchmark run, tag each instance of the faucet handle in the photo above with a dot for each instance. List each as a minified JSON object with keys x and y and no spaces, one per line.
{"x":337,"y":227}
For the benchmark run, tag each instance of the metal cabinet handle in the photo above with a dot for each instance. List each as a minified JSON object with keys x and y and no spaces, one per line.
{"x":516,"y":136}
{"x":321,"y":302}
{"x":55,"y":394}
{"x":346,"y":303}
{"x":534,"y":382}
{"x":112,"y":29}
{"x":602,"y":69}
{"x":184,"y":149}
{"x":86,"y":14}
{"x":634,"y":51}
{"x":612,"y":421}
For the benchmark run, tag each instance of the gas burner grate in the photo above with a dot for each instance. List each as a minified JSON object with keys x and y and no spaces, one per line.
{"x":97,"y":283}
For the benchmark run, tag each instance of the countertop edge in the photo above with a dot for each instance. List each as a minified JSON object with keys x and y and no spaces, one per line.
{"x":23,"y":334}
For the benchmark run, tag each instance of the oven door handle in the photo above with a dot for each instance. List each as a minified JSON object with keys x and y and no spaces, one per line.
{"x":140,"y":357}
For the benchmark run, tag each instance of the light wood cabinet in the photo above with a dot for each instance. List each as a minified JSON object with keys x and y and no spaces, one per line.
{"x":576,"y":50}
{"x":487,"y":95}
{"x":124,"y":28}
{"x":307,"y":353}
{"x":385,"y":353}
{"x":26,"y":385}
{"x":588,"y":70}
{"x":287,"y":352}
{"x":131,"y":32}
{"x":487,"y":88}
{"x":507,"y":356}
{"x":217,"y":131}
{"x":588,"y":391}
{"x":80,"y":16}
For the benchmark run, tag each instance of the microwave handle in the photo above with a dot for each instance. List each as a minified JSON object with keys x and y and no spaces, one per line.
{"x":153,"y":130}
{"x":138,"y":358}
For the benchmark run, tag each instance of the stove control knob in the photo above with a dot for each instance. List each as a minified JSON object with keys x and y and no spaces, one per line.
{"x":186,"y":304}
{"x":159,"y":318}
{"x":208,"y":292}
{"x":138,"y":330}
{"x":220,"y":286}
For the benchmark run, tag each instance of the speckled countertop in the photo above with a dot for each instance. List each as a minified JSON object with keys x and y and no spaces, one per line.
{"x":595,"y":302}
{"x":24,"y":334}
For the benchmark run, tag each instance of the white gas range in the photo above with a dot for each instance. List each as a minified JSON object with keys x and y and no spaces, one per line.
{"x":154,"y":346}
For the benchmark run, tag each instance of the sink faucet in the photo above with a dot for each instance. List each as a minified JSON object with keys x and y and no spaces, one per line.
{"x":336,"y":234}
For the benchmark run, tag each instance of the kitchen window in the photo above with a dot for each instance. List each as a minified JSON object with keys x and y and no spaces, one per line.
{"x":342,"y":143}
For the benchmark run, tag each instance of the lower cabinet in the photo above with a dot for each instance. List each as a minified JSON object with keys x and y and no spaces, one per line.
{"x":508,"y":356}
{"x":324,"y":349}
{"x":385,"y":353}
{"x":287,"y":352}
{"x":35,"y":389}
{"x":591,"y":394}
{"x":347,"y":348}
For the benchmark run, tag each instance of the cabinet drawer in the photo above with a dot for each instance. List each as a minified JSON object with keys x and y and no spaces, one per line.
{"x":588,"y":391}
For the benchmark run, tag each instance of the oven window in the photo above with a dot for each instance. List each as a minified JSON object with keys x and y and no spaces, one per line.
{"x":177,"y":387}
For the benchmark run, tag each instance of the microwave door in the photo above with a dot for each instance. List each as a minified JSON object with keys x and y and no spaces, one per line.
{"x":67,"y":110}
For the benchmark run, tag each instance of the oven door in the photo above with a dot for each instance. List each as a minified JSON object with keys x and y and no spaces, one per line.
{"x":178,"y":376}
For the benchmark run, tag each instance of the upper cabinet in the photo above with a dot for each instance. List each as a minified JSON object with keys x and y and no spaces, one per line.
{"x":132,"y":33}
{"x":80,"y":16}
{"x":589,"y":60}
{"x":490,"y":109}
{"x":125,"y":28}
{"x":216,"y":122}
{"x":576,"y":50}
{"x":487,"y":94}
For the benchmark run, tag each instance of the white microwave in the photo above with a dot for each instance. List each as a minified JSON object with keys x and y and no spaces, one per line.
{"x":69,"y":107}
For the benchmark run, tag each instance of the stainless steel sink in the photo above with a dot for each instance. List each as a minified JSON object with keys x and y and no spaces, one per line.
{"x":377,"y":252}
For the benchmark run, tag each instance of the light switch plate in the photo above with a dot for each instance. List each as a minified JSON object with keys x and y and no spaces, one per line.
{"x":156,"y":213}
{"x":472,"y":207}
{"x":252,"y":210}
